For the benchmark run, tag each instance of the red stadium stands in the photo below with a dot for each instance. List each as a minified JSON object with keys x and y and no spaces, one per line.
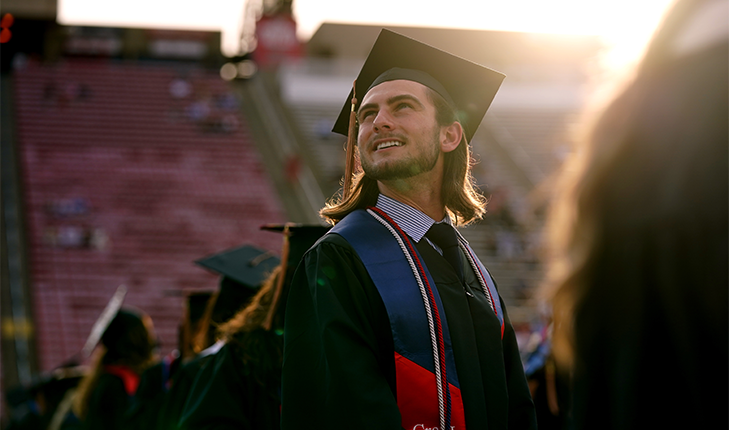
{"x":130,"y":172}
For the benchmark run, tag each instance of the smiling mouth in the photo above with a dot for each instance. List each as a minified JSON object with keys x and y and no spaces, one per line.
{"x":389,"y":144}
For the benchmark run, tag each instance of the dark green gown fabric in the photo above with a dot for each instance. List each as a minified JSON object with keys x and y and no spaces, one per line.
{"x":147,"y":400}
{"x":160,"y":398}
{"x":339,"y":369}
{"x":175,"y":399}
{"x":108,"y":405}
{"x":231,"y":394}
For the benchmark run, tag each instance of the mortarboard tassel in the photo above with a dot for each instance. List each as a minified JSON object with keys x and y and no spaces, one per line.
{"x":102,"y":323}
{"x":280,"y":281}
{"x":351,"y":137}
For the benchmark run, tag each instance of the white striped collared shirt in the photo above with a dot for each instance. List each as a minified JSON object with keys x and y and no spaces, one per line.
{"x":413,"y":222}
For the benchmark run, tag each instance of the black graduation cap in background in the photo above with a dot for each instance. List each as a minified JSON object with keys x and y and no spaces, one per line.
{"x":470,"y":86}
{"x":246,"y":265}
{"x":243,"y":271}
{"x":298,"y":238}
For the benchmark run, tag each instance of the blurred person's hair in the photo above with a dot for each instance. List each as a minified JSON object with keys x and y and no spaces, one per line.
{"x":641,"y":211}
{"x":204,"y":334}
{"x":461,"y":197}
{"x":256,"y":347}
{"x":638,"y":276}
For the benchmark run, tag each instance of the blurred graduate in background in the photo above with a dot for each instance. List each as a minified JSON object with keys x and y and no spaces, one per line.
{"x":166,"y":387}
{"x":155,"y":403}
{"x":639,"y":270}
{"x":126,"y":349}
{"x":240,"y":386}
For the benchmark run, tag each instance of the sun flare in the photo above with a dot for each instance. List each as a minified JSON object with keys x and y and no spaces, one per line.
{"x":625,"y":25}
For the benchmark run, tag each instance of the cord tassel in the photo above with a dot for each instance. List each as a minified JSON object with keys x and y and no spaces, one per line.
{"x":268,"y":322}
{"x":351,"y":139}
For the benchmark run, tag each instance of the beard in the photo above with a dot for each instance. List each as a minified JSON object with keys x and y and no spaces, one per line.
{"x":406,"y":167}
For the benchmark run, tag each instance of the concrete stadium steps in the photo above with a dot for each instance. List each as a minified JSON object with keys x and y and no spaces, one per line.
{"x":517,"y":278}
{"x":328,"y":149}
{"x":280,"y":144}
{"x":542,"y":135}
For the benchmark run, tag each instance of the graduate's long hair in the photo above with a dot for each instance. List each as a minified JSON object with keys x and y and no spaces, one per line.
{"x":203,"y":334}
{"x":128,"y":341}
{"x":463,"y":201}
{"x":260,"y":350}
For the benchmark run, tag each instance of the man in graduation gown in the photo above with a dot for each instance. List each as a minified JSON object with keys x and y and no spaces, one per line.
{"x":392,"y":321}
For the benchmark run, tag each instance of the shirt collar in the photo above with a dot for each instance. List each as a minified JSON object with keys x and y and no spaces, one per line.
{"x":413,"y":222}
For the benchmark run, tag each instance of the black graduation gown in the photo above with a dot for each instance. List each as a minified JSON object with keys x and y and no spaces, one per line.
{"x":339,"y":370}
{"x":225,"y":395}
{"x":174,"y":400}
{"x":156,"y":404}
{"x":108,"y":405}
{"x":641,"y":365}
{"x":146,"y":402}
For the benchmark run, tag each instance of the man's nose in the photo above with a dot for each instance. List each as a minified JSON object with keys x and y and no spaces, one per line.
{"x":383,"y":121}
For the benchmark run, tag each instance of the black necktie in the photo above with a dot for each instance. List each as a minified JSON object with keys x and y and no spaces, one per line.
{"x":444,"y":236}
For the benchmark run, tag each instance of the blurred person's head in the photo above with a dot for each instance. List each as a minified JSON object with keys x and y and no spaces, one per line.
{"x":252,"y":316}
{"x":644,"y":194}
{"x":256,"y":330}
{"x":640,"y":220}
{"x":265,"y":311}
{"x":243,"y":270}
{"x":128,"y":341}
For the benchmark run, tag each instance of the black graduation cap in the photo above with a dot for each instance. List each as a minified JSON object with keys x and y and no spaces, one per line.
{"x":469,"y":86}
{"x":243,"y":271}
{"x":246,"y":265}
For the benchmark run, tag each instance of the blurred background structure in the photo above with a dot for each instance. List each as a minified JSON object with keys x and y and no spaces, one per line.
{"x":130,"y":152}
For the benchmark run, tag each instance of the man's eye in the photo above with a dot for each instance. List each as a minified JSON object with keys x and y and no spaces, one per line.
{"x":363,"y":116}
{"x":402,"y":106}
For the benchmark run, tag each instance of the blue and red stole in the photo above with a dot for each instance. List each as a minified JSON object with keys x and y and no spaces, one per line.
{"x":428,"y":391}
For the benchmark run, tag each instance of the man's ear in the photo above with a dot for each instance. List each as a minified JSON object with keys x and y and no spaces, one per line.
{"x":450,"y":136}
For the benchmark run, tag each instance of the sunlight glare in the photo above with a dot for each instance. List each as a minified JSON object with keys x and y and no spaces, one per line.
{"x":211,"y":15}
{"x":625,"y":25}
